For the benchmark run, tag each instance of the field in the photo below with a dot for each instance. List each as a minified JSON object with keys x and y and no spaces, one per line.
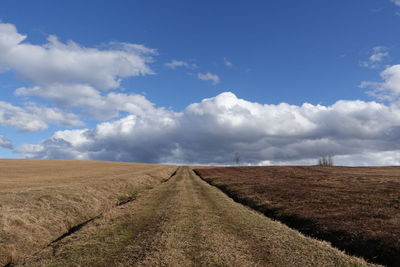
{"x":81,"y":213}
{"x":356,"y":209}
{"x":42,"y":199}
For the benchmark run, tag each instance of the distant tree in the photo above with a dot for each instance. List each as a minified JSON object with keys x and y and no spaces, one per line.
{"x":325,"y":161}
{"x":330,"y":160}
{"x":237,"y":158}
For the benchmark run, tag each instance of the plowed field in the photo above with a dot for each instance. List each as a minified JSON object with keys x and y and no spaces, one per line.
{"x":357,"y":209}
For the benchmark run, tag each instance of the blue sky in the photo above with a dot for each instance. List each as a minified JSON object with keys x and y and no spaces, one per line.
{"x":262,"y":52}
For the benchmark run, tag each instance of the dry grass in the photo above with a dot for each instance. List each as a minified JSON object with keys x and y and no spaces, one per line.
{"x":357,"y":209}
{"x":42,"y":199}
{"x":186,"y":222}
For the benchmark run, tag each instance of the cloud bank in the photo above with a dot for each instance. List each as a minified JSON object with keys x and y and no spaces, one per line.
{"x":87,"y":81}
{"x":214,"y":129}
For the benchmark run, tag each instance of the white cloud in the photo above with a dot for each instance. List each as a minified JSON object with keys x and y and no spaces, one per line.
{"x":92,"y":103}
{"x":71,"y":75}
{"x":80,"y":78}
{"x":4,"y":142}
{"x":389,"y":87}
{"x":385,"y":158}
{"x":35,"y":118}
{"x":378,"y":54}
{"x":388,"y":158}
{"x":228,"y":63}
{"x":214,"y":129}
{"x":176,"y":63}
{"x":209,"y":77}
{"x":69,"y":63}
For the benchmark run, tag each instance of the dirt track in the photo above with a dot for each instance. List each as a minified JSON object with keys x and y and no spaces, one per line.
{"x":186,"y":222}
{"x":357,"y":209}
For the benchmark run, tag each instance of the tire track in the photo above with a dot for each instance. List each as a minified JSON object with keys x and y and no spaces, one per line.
{"x":61,"y":245}
{"x":187,"y":222}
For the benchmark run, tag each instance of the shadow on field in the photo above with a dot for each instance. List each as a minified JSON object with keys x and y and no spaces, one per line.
{"x":77,"y":227}
{"x":371,"y":250}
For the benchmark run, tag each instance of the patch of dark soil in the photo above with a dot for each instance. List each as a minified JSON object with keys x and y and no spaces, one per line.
{"x":73,"y":229}
{"x":172,"y":175}
{"x":125,"y":201}
{"x":371,"y":250}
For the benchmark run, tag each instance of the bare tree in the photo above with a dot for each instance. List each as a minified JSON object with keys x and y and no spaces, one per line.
{"x":330,"y":160}
{"x":325,"y":161}
{"x":237,"y":158}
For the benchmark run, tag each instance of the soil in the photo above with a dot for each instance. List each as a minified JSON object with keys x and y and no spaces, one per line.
{"x":357,"y":209}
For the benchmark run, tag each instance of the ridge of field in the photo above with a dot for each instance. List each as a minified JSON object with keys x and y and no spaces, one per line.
{"x":41,"y":200}
{"x":187,"y":222}
{"x":357,"y":209}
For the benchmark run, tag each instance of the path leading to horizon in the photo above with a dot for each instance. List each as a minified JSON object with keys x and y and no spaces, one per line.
{"x":187,"y":222}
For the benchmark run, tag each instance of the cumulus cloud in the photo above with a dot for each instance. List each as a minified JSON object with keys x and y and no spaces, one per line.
{"x":209,"y":77}
{"x":92,"y":103}
{"x":82,"y":79}
{"x":214,"y":129}
{"x":389,"y":87}
{"x":32,"y":117}
{"x":71,"y":75}
{"x":176,"y":63}
{"x":378,"y":54}
{"x":69,"y":63}
{"x":5,"y":143}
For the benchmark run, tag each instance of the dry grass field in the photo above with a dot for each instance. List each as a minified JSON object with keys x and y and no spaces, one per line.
{"x":88,"y":213}
{"x":187,"y":222}
{"x":356,"y":209}
{"x":43,"y":199}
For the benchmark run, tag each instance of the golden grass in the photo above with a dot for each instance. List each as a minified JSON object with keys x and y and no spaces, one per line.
{"x":42,"y":199}
{"x":186,"y":222}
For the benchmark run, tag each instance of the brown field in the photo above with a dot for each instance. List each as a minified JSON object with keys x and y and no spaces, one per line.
{"x":187,"y":222}
{"x":43,"y":199}
{"x":356,"y":209}
{"x":87,"y":213}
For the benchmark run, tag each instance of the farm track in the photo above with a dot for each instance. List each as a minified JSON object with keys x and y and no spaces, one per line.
{"x":187,"y":222}
{"x":356,"y":209}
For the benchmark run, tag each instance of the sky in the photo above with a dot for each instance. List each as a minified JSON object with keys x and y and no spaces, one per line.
{"x":195,"y":82}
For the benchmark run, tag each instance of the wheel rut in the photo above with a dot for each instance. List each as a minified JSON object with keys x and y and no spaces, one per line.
{"x":187,"y":222}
